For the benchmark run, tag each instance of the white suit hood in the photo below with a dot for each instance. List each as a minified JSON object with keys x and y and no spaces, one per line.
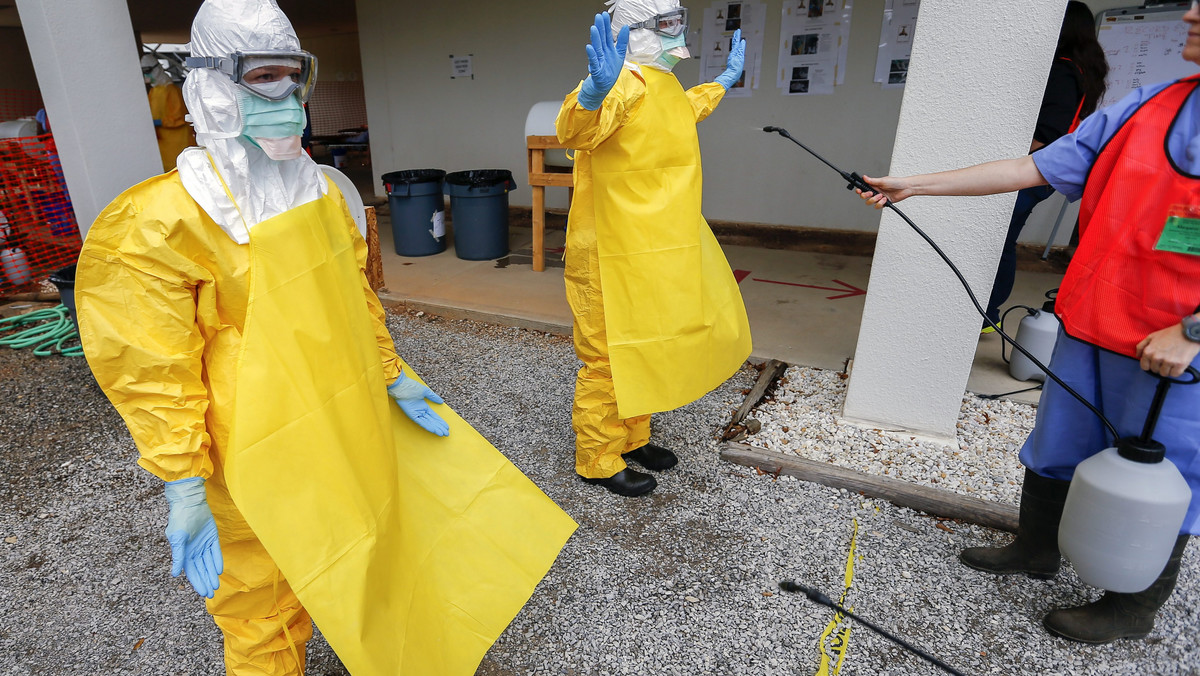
{"x":645,"y":46}
{"x":158,"y":74}
{"x":261,"y":187}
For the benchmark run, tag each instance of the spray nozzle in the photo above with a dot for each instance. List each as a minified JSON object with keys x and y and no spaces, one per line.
{"x":813,"y":595}
{"x":820,"y":598}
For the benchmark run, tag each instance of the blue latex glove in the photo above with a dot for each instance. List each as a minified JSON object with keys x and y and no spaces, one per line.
{"x":158,"y":123}
{"x":605,"y":61}
{"x":410,"y":395}
{"x":735,"y":64}
{"x":192,"y":533}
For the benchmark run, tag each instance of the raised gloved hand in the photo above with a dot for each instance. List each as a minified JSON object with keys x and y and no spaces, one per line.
{"x":735,"y":63}
{"x":410,"y":395}
{"x":605,"y":61}
{"x":192,"y":533}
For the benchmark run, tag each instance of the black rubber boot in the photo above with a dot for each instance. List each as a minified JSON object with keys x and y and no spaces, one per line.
{"x":1035,"y":549}
{"x":653,"y":457}
{"x":1117,"y":615}
{"x":628,"y":482}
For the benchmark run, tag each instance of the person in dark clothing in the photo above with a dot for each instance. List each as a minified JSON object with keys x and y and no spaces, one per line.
{"x":1075,"y":86}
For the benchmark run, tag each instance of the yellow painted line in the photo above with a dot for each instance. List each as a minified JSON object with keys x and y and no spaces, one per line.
{"x":833,"y":652}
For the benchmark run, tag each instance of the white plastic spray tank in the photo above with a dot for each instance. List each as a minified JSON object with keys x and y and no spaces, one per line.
{"x":1124,"y":509}
{"x":1037,"y":332}
{"x":14,"y":266}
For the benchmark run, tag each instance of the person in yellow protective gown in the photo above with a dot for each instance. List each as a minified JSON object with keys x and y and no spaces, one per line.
{"x":168,"y":110}
{"x":224,"y":311}
{"x":658,"y":317}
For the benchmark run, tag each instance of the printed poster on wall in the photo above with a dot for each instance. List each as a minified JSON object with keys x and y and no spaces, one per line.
{"x":895,"y":42}
{"x":814,"y":42}
{"x":720,"y":21}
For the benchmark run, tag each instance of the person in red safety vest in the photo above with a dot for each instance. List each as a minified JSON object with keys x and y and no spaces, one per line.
{"x":1074,"y":88}
{"x":1130,"y":307}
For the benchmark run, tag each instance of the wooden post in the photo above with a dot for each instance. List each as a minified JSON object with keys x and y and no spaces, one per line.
{"x":539,"y":180}
{"x":374,"y":256}
{"x":537,"y":165}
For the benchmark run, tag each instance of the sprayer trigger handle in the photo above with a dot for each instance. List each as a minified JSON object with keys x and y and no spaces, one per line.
{"x":856,"y":181}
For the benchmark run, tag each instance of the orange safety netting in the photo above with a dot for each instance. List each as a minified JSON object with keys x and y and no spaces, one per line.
{"x":38,"y":233}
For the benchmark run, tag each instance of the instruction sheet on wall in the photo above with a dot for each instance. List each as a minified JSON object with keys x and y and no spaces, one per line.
{"x":1142,"y":48}
{"x":814,"y":42}
{"x":895,"y":42}
{"x":720,"y":21}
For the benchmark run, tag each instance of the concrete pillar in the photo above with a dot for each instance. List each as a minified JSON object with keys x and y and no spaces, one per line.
{"x":974,"y":87}
{"x":87,"y":69}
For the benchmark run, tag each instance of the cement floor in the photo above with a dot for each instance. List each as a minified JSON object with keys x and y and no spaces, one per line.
{"x":804,"y":308}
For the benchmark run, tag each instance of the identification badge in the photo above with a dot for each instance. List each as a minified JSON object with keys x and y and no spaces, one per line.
{"x":1181,"y":232}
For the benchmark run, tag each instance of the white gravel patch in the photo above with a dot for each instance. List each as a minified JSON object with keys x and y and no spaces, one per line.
{"x":801,"y":419}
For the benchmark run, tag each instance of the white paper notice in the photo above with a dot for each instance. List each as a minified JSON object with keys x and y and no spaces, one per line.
{"x":439,"y":225}
{"x":716,"y":36}
{"x":460,"y":67}
{"x":814,"y":42}
{"x":895,"y":42}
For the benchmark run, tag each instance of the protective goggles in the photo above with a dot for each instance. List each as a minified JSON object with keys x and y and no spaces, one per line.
{"x":670,"y":24}
{"x":264,"y":73}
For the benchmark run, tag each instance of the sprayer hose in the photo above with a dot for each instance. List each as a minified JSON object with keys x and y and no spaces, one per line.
{"x":47,"y":331}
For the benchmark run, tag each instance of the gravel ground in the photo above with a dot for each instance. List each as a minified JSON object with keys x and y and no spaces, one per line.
{"x":800,"y":418}
{"x":683,"y":581}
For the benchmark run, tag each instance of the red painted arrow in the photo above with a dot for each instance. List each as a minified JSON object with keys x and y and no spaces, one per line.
{"x":740,"y":275}
{"x":847,"y":290}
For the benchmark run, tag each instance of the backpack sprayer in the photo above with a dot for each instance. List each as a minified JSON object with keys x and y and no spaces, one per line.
{"x":1125,"y":505}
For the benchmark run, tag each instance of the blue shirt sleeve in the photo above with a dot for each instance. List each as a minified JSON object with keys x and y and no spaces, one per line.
{"x":1066,"y":162}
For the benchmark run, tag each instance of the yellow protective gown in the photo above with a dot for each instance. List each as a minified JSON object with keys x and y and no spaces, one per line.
{"x":263,"y":368}
{"x":658,"y":317}
{"x":174,"y":134}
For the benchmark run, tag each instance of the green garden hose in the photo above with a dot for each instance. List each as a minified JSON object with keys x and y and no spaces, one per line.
{"x":47,"y":331}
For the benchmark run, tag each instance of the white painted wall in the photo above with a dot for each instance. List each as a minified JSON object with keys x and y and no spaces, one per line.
{"x":534,"y":51}
{"x":86,"y":62}
{"x":919,"y":330}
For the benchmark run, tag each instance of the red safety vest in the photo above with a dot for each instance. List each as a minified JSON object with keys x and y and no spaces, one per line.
{"x":1118,"y":289}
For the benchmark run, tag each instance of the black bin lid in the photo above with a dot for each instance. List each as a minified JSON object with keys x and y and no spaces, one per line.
{"x":480,"y":177}
{"x":411,"y":176}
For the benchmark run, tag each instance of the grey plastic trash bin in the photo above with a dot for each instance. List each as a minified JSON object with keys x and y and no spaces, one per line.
{"x":479,"y":204}
{"x":64,"y":280}
{"x":418,"y":211}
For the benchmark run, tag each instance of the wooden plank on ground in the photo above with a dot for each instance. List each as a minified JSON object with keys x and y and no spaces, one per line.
{"x":922,"y":498}
{"x":770,"y":372}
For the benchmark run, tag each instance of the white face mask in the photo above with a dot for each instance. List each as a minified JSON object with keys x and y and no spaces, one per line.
{"x":674,"y":50}
{"x":286,"y":148}
{"x":661,"y":52}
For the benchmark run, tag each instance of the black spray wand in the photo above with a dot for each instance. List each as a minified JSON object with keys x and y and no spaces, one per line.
{"x":855,"y":181}
{"x":818,"y":597}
